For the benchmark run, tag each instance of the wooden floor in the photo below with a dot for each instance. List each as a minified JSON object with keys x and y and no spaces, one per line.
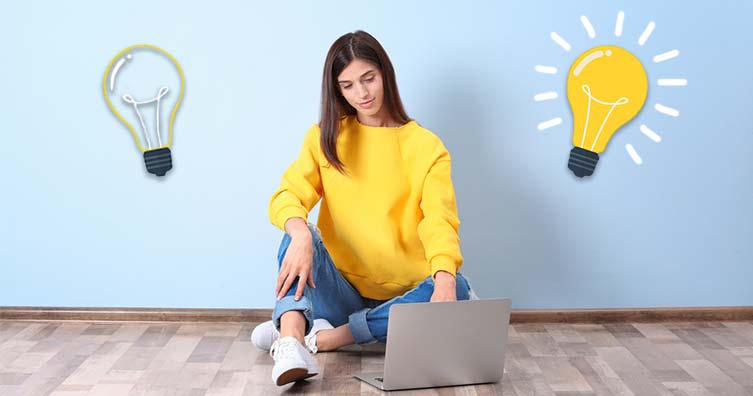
{"x":49,"y":358}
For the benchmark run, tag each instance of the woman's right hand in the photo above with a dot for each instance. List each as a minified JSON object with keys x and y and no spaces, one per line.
{"x":298,"y":261}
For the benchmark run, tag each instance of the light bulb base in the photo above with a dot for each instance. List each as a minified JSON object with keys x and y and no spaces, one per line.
{"x":158,"y":161}
{"x":582,"y":161}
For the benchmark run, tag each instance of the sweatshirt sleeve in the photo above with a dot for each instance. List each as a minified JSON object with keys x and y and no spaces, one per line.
{"x":301,"y":185}
{"x":438,"y":230}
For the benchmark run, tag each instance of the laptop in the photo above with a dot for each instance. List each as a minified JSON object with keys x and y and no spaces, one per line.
{"x":449,"y":343}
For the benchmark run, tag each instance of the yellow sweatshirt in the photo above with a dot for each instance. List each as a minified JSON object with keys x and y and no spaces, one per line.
{"x":392,"y":221}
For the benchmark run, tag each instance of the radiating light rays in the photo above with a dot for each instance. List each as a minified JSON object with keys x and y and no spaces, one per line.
{"x":646,"y":33}
{"x":650,"y":133}
{"x":669,"y":81}
{"x":560,"y":41}
{"x":666,"y":56}
{"x":588,"y":26}
{"x":618,"y":24}
{"x":633,"y":154}
{"x":545,"y":96}
{"x":549,"y":123}
{"x":666,"y":110}
{"x":546,"y":69}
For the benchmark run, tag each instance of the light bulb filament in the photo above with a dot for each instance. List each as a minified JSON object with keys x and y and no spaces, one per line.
{"x":129,"y":99}
{"x":587,"y":90}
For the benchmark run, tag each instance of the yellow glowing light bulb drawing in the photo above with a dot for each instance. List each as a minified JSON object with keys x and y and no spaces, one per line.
{"x":140,"y":83}
{"x":606,"y":88}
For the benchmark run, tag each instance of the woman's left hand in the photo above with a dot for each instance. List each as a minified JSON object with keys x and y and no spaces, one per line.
{"x":444,"y":287}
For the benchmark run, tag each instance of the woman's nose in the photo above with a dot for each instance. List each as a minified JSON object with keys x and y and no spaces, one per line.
{"x":362,"y":91}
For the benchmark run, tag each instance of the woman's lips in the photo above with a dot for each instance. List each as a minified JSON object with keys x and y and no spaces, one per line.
{"x":367,"y":104}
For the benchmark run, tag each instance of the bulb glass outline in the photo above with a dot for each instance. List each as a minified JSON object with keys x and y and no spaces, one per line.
{"x":109,"y":73}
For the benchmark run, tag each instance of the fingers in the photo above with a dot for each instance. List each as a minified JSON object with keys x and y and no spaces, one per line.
{"x":288,"y":282}
{"x":311,"y":282}
{"x":301,"y":286}
{"x":280,"y":279}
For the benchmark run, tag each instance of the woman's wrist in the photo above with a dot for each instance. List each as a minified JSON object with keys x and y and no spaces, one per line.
{"x":296,"y":227}
{"x":443,"y":276}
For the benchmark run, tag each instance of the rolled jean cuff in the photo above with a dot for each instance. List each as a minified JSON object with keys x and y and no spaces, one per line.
{"x":288,"y":303}
{"x":359,"y":329}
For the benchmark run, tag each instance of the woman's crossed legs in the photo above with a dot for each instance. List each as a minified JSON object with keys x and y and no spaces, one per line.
{"x":356,"y":319}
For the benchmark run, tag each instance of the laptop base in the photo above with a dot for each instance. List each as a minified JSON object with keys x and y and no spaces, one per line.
{"x":371,"y":379}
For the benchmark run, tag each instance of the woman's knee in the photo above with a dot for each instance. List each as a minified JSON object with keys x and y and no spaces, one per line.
{"x":283,"y":249}
{"x":316,"y":233}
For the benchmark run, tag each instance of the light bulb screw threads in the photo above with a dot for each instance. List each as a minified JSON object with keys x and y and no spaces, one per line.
{"x":158,"y":161}
{"x":582,"y":162}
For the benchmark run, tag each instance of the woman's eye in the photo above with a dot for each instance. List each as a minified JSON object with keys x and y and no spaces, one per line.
{"x":347,"y":86}
{"x":370,"y":79}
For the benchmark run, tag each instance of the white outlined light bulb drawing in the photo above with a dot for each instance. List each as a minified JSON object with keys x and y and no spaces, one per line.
{"x":143,"y":86}
{"x":607,"y":86}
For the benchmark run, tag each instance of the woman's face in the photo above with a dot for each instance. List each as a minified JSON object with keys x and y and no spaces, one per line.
{"x":361,"y":85}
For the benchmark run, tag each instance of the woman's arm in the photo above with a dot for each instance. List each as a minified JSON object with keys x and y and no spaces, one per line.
{"x":301,"y":185}
{"x":438,"y":230}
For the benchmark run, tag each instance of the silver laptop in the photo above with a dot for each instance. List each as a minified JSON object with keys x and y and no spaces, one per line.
{"x":443,"y":344}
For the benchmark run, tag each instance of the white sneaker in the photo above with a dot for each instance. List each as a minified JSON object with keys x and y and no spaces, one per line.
{"x":265,"y":334}
{"x":293,"y":362}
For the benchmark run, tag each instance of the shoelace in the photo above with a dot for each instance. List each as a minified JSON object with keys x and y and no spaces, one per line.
{"x":283,"y":347}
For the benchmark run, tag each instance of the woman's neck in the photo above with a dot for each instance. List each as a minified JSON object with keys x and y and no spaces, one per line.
{"x":381,"y":119}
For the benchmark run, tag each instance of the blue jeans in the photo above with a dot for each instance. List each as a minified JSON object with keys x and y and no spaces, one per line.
{"x":337,"y":301}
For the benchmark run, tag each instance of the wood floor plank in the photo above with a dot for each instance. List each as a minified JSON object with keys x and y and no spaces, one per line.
{"x":731,"y":365}
{"x":10,"y":329}
{"x":608,"y":376}
{"x":631,"y":371}
{"x":564,"y":334}
{"x":651,"y":357}
{"x":697,"y":339}
{"x":136,"y":358}
{"x":656,"y":332}
{"x":561,"y":375}
{"x":727,"y":337}
{"x":687,"y":388}
{"x":96,"y":366}
{"x":744,"y":329}
{"x":10,"y":378}
{"x":596,"y":383}
{"x":11,"y":350}
{"x":527,"y":377}
{"x":211,"y":349}
{"x":712,"y":378}
{"x":25,"y":331}
{"x":574,"y":349}
{"x":542,"y":344}
{"x":596,"y":335}
{"x":240,"y":356}
{"x":77,"y":358}
{"x":233,"y":383}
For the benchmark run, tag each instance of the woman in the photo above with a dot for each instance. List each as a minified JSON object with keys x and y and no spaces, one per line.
{"x":388,"y":217}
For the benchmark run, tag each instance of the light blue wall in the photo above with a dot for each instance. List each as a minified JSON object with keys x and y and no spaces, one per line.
{"x":82,"y":224}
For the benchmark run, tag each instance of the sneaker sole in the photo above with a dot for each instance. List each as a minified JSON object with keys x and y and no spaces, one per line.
{"x":292,"y":375}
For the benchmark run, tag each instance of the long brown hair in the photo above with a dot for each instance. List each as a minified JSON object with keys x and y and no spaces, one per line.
{"x":362,"y":45}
